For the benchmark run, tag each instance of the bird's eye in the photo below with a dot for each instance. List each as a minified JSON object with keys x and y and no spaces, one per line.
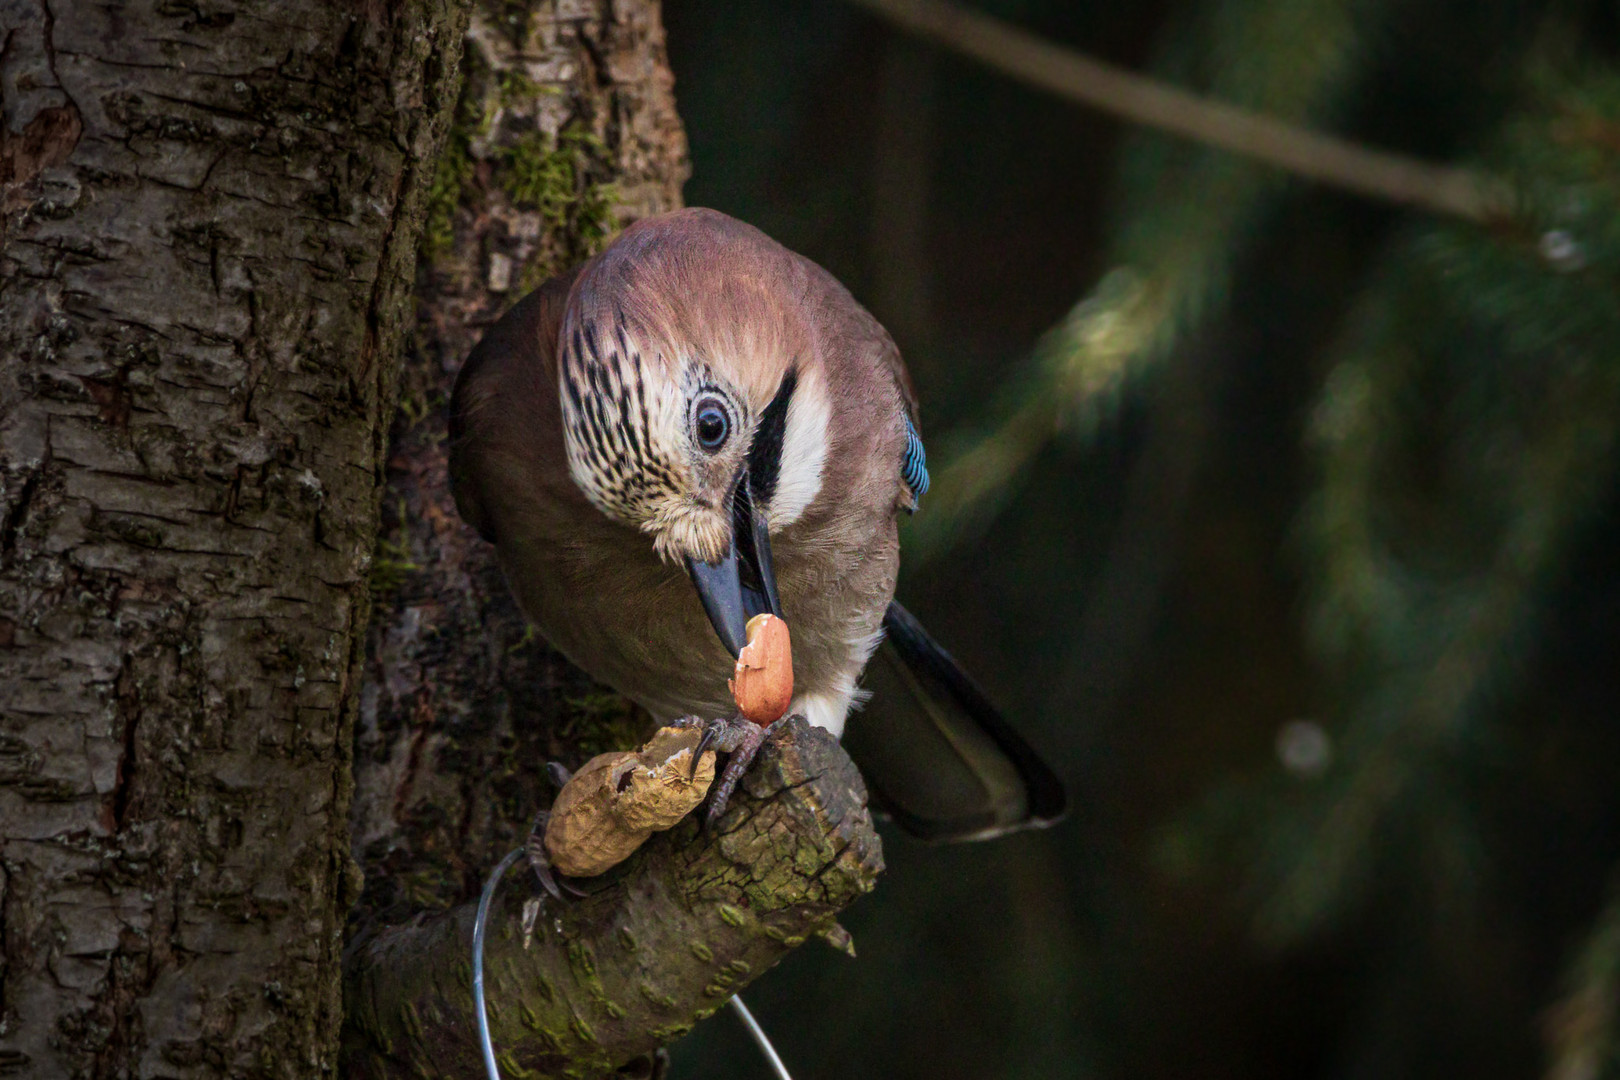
{"x":712,"y":423}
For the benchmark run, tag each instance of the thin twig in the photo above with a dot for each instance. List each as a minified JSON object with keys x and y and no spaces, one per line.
{"x":1115,"y":90}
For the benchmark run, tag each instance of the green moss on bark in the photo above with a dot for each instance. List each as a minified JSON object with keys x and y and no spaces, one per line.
{"x":660,"y":943}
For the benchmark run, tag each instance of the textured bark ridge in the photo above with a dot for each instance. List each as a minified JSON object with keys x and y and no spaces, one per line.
{"x":210,"y":223}
{"x":565,"y":131}
{"x":566,"y":128}
{"x":661,"y":942}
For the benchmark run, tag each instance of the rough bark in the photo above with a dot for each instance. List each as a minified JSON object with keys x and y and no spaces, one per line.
{"x":210,"y":222}
{"x":566,"y":129}
{"x":660,"y":943}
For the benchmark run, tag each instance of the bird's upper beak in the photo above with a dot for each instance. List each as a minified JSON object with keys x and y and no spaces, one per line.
{"x":742,"y":584}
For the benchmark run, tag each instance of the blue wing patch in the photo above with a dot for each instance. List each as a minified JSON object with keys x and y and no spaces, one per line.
{"x":914,"y":466}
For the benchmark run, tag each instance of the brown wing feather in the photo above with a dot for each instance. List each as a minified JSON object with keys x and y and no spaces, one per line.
{"x":897,"y":367}
{"x":521,"y":345}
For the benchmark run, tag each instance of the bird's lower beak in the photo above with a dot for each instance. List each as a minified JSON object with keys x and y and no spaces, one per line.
{"x":743,"y":583}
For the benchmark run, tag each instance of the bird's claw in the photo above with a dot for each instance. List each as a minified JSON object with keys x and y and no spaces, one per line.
{"x":704,"y":742}
{"x":737,"y":736}
{"x":722,"y":736}
{"x":535,"y":848}
{"x":742,"y":756}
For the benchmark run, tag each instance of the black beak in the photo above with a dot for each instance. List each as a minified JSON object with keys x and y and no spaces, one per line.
{"x":742,"y":584}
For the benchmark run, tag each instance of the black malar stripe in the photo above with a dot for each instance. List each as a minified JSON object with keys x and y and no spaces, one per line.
{"x":765,"y":454}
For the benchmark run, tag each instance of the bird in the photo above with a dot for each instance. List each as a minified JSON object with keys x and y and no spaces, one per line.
{"x":696,"y":426}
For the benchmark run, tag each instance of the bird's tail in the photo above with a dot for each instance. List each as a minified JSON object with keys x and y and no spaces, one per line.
{"x":936,"y":755}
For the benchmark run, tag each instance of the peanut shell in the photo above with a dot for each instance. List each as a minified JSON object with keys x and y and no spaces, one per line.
{"x":616,"y":801}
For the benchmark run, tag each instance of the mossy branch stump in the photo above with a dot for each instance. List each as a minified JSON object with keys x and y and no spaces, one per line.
{"x":660,"y":943}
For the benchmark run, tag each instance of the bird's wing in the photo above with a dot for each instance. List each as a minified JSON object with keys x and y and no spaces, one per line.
{"x":492,"y":424}
{"x":902,"y":377}
{"x":935,"y":753}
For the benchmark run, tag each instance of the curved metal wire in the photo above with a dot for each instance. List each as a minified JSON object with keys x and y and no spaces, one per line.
{"x":487,"y":1045}
{"x":763,"y":1040}
{"x":479,"y":925}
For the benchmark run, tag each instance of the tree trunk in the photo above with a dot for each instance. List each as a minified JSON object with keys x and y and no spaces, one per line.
{"x":211,"y":213}
{"x":211,"y":221}
{"x":566,"y":131}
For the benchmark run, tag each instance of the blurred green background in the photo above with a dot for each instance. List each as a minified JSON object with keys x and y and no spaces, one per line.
{"x":1283,"y":521}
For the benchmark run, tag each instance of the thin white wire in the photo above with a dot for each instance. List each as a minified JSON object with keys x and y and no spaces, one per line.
{"x":761,"y":1038}
{"x":479,"y":925}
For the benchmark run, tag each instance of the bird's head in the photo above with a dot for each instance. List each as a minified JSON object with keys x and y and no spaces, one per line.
{"x":691,"y":404}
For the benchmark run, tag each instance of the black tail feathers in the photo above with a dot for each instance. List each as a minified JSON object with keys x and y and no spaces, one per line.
{"x":936,"y":755}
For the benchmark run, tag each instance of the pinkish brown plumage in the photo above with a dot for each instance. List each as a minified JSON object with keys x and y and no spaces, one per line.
{"x":694,"y":394}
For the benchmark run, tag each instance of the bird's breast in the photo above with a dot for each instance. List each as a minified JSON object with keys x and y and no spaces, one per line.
{"x":634,"y":622}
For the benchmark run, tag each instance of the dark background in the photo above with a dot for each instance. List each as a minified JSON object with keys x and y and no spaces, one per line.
{"x":1141,"y":607}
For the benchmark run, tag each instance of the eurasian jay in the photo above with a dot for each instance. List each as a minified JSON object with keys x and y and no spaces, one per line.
{"x":697,"y":426}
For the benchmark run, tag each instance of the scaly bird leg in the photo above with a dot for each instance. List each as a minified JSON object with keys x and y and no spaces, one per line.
{"x":535,"y":846}
{"x":737,"y":736}
{"x":750,"y":739}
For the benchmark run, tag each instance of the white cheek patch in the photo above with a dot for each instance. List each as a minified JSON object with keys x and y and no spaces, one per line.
{"x":804,"y":455}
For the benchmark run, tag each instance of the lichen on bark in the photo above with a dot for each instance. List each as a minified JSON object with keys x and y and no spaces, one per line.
{"x":577,"y":989}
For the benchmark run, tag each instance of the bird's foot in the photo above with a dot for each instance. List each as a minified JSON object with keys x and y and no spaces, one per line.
{"x":748,"y":741}
{"x":535,"y":846}
{"x":737,"y":736}
{"x":722,"y":736}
